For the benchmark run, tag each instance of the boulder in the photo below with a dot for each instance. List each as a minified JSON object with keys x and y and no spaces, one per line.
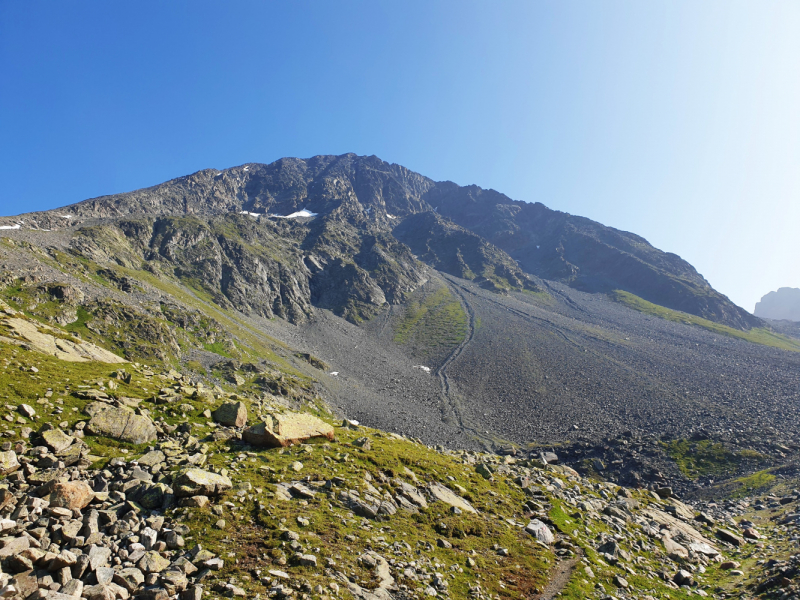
{"x":73,"y":495}
{"x":197,"y":482}
{"x":152,"y":458}
{"x":287,"y":429}
{"x":122,"y":424}
{"x":57,"y":440}
{"x":10,"y":546}
{"x":232,"y":414}
{"x":8,"y":462}
{"x":442,"y":494}
{"x":540,"y":531}
{"x":153,"y":562}
{"x":730,"y":537}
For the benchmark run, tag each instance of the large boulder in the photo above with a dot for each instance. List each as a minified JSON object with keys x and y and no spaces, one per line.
{"x":232,"y":414}
{"x":8,"y":462}
{"x":57,"y":440}
{"x":540,"y":531}
{"x":287,"y":429}
{"x":122,"y":424}
{"x":440,"y":493}
{"x":73,"y":495}
{"x":197,"y":482}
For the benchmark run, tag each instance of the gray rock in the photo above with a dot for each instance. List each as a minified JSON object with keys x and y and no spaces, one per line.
{"x":540,"y":531}
{"x":232,"y":414}
{"x":728,"y":536}
{"x":8,"y":462}
{"x":57,"y":440}
{"x":153,"y":562}
{"x":442,"y":494}
{"x":197,"y":482}
{"x":98,"y":557}
{"x":130,"y":578}
{"x":155,"y":457}
{"x":122,"y":424}
{"x":26,"y":410}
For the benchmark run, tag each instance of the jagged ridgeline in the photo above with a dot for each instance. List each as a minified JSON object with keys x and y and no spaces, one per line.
{"x":352,"y":260}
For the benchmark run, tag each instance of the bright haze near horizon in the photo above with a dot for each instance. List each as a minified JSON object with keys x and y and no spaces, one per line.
{"x":676,"y":120}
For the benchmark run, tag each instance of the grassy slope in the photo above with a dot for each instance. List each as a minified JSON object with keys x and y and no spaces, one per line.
{"x":705,"y":457}
{"x":432,"y":322}
{"x":255,"y":518}
{"x":761,"y":336}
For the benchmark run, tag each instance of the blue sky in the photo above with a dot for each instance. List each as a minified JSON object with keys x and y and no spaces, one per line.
{"x":679,"y":121}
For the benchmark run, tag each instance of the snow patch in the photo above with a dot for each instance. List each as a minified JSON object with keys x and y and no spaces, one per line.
{"x":390,"y":216}
{"x":244,"y":212}
{"x":334,"y":373}
{"x":65,"y":216}
{"x":300,"y":213}
{"x":426,"y":369}
{"x":246,"y":169}
{"x":10,"y":226}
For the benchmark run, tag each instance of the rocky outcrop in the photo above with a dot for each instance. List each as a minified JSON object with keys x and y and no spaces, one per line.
{"x":457,"y":251}
{"x":50,"y":341}
{"x":282,"y":430}
{"x":121,"y":424}
{"x":783,"y":305}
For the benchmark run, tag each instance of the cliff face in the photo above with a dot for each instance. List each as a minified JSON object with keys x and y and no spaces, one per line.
{"x":353,"y":255}
{"x":783,"y":305}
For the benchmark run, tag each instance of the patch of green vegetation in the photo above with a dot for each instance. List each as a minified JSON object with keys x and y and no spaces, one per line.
{"x":259,"y":520}
{"x":218,"y":348}
{"x":561,"y":520}
{"x":195,"y":366}
{"x":759,"y":480}
{"x":437,"y":319}
{"x":704,"y":457}
{"x":758,"y":335}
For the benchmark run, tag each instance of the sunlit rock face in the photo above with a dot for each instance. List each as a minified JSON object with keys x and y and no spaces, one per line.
{"x":783,"y":305}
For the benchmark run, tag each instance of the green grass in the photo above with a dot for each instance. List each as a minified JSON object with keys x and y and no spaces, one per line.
{"x":758,"y":335}
{"x":258,"y":530}
{"x":707,"y":458}
{"x":218,"y":348}
{"x":434,"y":320}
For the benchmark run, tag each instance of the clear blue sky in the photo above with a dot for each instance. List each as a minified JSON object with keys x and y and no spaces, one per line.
{"x":679,"y":121}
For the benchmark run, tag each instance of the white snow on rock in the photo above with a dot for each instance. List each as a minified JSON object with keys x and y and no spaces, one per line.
{"x":244,"y":212}
{"x":300,"y":213}
{"x":390,"y":216}
{"x":334,"y":373}
{"x":426,"y":369}
{"x":10,"y":226}
{"x":65,"y":216}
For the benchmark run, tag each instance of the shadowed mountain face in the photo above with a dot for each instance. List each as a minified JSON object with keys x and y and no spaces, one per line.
{"x":783,"y":305}
{"x":476,"y":234}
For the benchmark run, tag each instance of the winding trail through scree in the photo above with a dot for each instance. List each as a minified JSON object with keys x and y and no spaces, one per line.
{"x":451,"y":396}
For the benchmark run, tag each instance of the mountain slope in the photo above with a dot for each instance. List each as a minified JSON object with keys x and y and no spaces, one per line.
{"x":366,"y":192}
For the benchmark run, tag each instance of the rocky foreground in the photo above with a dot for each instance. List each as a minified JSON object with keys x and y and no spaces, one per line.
{"x":192,"y":492}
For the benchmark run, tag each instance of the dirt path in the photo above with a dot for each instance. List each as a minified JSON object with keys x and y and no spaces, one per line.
{"x":451,"y":396}
{"x":560,"y":576}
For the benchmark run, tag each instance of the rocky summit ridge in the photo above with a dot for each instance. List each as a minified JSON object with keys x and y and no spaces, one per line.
{"x":377,"y":197}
